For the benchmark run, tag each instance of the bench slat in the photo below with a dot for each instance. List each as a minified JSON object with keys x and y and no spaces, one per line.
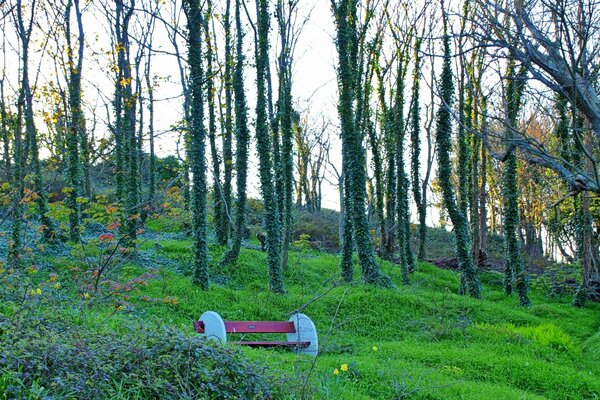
{"x":252,"y":327}
{"x":274,"y":344}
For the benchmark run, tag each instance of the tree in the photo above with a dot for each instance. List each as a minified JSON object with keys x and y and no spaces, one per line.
{"x":31,"y":148}
{"x":514,"y":268}
{"x":265,"y":150}
{"x":403,"y":233}
{"x":242,"y":136}
{"x":218,"y":203}
{"x":285,"y":13}
{"x":76,"y":126}
{"x":557,"y":42}
{"x":469,"y":275}
{"x":415,"y":125}
{"x":353,"y":154}
{"x":197,"y":136}
{"x":227,"y":122}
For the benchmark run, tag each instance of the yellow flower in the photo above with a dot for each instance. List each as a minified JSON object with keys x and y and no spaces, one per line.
{"x":86,"y":296}
{"x":344,"y":367}
{"x":35,"y":292}
{"x":375,"y":348}
{"x":336,"y":371}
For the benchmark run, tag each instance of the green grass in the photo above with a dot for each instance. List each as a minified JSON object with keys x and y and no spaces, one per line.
{"x":431,"y":343}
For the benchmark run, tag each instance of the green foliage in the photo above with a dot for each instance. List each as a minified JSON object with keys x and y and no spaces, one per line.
{"x":46,"y":358}
{"x":422,"y":341}
{"x":168,"y":168}
{"x":548,"y":335}
{"x":303,"y":242}
{"x":322,"y":227}
{"x":557,"y":280}
{"x":591,"y":347}
{"x":426,"y":335}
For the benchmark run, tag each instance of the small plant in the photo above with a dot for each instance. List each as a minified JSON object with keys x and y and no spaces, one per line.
{"x":303,"y":243}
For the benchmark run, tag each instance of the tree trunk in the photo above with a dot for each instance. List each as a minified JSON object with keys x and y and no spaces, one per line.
{"x":197,"y":138}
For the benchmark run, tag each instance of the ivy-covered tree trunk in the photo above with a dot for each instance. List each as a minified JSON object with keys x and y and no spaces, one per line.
{"x":218,"y":204}
{"x":514,"y":265}
{"x":151,"y":199}
{"x":119,"y":127}
{"x":242,"y":136}
{"x":228,"y":124}
{"x":129,"y":134}
{"x":353,"y":153}
{"x":197,"y":146}
{"x":16,"y":243}
{"x":474,"y":144}
{"x":378,"y":177}
{"x":415,"y":130}
{"x":5,"y":125}
{"x":303,"y":160}
{"x":483,"y":226}
{"x":403,"y":234}
{"x":390,"y":179}
{"x":31,"y":134}
{"x":76,"y":127}
{"x":264,"y":145}
{"x":469,"y":274}
{"x":587,"y":247}
{"x":284,"y":12}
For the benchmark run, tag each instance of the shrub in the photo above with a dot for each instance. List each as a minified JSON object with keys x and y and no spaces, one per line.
{"x":322,"y":227}
{"x":557,"y":280}
{"x":65,"y":361}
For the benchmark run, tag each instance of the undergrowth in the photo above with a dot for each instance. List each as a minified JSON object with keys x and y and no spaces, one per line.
{"x":59,"y":339}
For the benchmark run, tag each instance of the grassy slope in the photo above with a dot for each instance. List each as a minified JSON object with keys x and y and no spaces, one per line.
{"x":430,"y":342}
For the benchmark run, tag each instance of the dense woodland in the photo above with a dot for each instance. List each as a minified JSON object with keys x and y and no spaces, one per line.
{"x":483,"y":117}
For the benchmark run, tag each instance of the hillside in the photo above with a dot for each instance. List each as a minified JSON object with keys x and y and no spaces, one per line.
{"x":417,"y":341}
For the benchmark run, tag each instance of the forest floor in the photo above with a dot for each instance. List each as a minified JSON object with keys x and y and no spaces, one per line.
{"x":422,"y":341}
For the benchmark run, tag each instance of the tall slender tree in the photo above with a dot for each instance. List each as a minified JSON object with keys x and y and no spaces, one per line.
{"x":285,"y":12}
{"x":227,"y":123}
{"x":31,"y":149}
{"x":415,"y":129}
{"x":197,"y":136}
{"x":76,"y":125}
{"x":469,"y":274}
{"x":514,"y":266}
{"x":242,"y":136}
{"x":403,"y":233}
{"x":353,"y":154}
{"x":265,"y":150}
{"x":218,"y":204}
{"x":151,"y":197}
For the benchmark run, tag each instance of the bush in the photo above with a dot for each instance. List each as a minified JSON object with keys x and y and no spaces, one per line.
{"x":557,"y":280}
{"x":322,"y":227}
{"x":63,"y":361}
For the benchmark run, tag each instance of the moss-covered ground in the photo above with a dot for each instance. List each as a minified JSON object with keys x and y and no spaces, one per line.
{"x":417,"y":341}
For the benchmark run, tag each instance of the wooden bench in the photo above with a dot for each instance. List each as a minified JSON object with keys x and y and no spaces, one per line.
{"x":300,"y":330}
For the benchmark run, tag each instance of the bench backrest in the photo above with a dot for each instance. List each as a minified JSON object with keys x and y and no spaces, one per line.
{"x":252,"y":327}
